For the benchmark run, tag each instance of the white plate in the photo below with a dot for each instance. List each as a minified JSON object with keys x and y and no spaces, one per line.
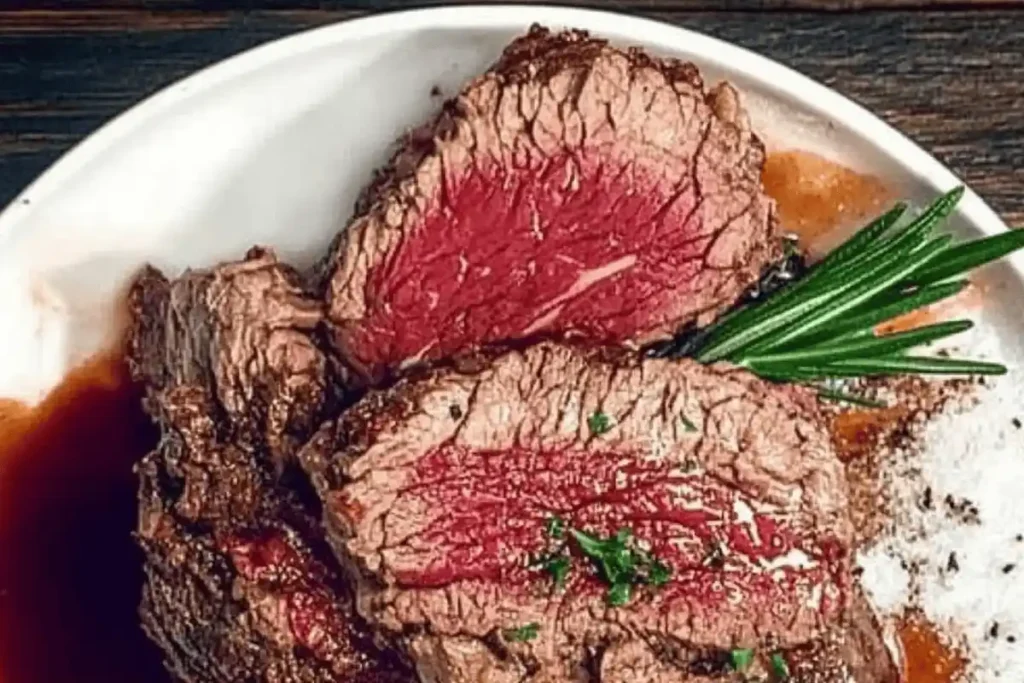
{"x":272,"y":147}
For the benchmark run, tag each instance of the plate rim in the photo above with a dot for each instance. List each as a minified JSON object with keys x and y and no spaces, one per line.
{"x":644,"y":31}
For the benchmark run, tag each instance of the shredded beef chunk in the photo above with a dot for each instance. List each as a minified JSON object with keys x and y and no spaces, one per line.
{"x":437,"y":495}
{"x":239,"y":586}
{"x":573,"y":190}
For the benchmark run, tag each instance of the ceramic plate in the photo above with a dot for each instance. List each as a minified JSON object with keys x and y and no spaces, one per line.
{"x":273,"y":146}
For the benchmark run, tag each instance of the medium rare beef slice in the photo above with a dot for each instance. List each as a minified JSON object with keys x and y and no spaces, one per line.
{"x":437,"y":494}
{"x":239,"y":585}
{"x":574,"y":190}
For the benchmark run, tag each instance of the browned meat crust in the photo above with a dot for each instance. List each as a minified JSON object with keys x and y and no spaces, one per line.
{"x":238,"y":586}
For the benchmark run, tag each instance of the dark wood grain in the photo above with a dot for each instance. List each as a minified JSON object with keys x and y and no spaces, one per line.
{"x":641,"y":5}
{"x":951,"y":80}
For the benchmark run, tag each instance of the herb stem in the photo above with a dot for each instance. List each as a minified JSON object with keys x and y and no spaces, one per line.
{"x":823,"y":326}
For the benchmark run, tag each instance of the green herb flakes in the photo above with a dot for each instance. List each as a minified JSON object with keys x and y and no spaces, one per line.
{"x":741,"y":659}
{"x":621,"y":564}
{"x":599,"y":423}
{"x":557,"y":564}
{"x":613,"y":558}
{"x":687,"y":424}
{"x":522,"y":634}
{"x":555,"y":527}
{"x":559,"y":567}
{"x":658,"y":574}
{"x":619,"y":594}
{"x":617,"y":560}
{"x":780,"y":669}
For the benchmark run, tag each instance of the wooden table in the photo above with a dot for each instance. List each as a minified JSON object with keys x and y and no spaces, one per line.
{"x":948,"y":73}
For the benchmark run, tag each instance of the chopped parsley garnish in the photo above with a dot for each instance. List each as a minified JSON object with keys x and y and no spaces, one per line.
{"x":741,"y":659}
{"x":611,"y":555}
{"x":690,"y":427}
{"x":619,"y":594}
{"x":559,"y":567}
{"x":556,"y":564}
{"x":780,"y":670}
{"x":617,"y":559}
{"x":658,"y":574}
{"x":555,"y":527}
{"x":599,"y":423}
{"x":522,"y":634}
{"x":621,"y":564}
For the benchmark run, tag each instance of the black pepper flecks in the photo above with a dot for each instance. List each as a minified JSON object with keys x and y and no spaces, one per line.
{"x":962,"y":510}
{"x":1007,"y":568}
{"x":927,"y":499}
{"x":715,"y":556}
{"x":993,"y":630}
{"x":1011,"y":639}
{"x":455,"y":411}
{"x":1017,"y":423}
{"x":952,"y":565}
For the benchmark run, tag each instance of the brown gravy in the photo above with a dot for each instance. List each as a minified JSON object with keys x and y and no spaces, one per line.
{"x":819,"y":200}
{"x":856,"y":432}
{"x":927,"y":657}
{"x":70,"y":572}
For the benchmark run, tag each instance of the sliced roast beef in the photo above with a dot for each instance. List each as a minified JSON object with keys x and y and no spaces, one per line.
{"x":439,"y":493}
{"x":239,"y":585}
{"x":573,"y":190}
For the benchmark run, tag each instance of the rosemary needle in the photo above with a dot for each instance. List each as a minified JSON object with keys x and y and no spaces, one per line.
{"x":852,"y":399}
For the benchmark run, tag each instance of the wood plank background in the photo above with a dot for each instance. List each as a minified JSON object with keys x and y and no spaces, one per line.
{"x":950,"y":74}
{"x":628,"y":5}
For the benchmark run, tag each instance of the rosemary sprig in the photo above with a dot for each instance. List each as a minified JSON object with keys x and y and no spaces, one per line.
{"x":822,"y":326}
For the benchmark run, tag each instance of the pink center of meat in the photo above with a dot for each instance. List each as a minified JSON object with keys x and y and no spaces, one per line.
{"x":484,"y":519}
{"x":568,"y":245}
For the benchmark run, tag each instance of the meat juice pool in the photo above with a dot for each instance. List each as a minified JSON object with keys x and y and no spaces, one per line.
{"x":70,"y":572}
